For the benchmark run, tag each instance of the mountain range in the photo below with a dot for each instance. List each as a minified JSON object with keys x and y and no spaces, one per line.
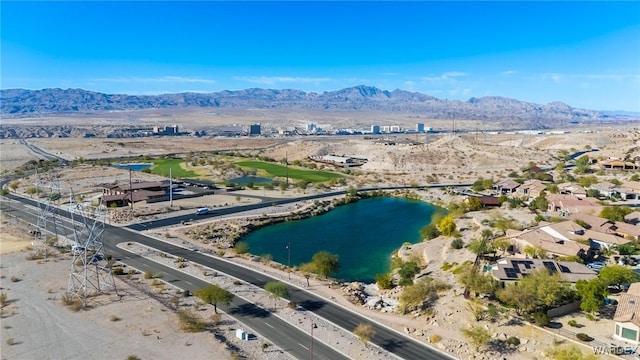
{"x":28,"y":103}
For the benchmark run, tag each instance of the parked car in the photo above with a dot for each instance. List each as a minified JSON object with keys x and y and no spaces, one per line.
{"x":597,"y":266}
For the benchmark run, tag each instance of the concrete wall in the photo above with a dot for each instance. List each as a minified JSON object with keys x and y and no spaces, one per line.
{"x":564,"y":310}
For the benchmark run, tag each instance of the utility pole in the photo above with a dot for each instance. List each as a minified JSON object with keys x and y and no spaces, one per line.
{"x":289,"y":248}
{"x":130,"y":190}
{"x":170,"y":189}
{"x":286,"y":164}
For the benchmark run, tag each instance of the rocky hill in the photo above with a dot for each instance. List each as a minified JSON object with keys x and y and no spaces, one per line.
{"x":27,"y":103}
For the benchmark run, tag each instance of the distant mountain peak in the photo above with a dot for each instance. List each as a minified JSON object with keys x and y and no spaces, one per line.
{"x":26,"y":103}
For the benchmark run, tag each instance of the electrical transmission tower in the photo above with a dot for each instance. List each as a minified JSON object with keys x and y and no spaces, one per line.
{"x":90,"y":269}
{"x":49,"y":225}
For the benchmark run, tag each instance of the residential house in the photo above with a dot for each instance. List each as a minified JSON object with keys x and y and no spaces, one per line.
{"x":531,"y":188}
{"x":595,"y":223}
{"x":510,"y":270}
{"x":618,"y":165}
{"x":572,"y":189}
{"x":489,"y":201}
{"x":506,"y":186}
{"x":627,"y":316}
{"x":557,"y":239}
{"x":623,"y":233}
{"x":605,"y":188}
{"x":629,"y":190}
{"x":533,"y":170}
{"x":123,"y":194}
{"x":633,"y":218}
{"x":571,"y":204}
{"x":627,"y":231}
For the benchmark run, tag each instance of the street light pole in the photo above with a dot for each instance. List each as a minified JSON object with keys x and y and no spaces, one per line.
{"x":313,"y":326}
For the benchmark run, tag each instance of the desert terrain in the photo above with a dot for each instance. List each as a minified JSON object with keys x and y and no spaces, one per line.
{"x":148,"y":329}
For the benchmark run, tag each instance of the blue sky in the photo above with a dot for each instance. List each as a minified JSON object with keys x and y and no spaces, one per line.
{"x":586,"y":54}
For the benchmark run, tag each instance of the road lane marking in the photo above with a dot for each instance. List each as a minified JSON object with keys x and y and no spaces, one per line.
{"x":269,"y":325}
{"x":303,"y":346}
{"x":189,"y":282}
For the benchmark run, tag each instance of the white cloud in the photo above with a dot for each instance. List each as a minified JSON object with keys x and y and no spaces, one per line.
{"x":508,"y":72}
{"x":451,"y":75}
{"x":272,"y":80}
{"x":557,"y":77}
{"x":161,"y":79}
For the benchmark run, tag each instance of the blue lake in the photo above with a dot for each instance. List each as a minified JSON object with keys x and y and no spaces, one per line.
{"x":363,"y":234}
{"x":134,"y":166}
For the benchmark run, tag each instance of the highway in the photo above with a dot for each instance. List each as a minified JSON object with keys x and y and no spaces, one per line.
{"x":390,"y":340}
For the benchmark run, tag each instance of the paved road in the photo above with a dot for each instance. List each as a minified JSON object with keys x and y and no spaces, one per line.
{"x":41,"y":153}
{"x":395,"y":342}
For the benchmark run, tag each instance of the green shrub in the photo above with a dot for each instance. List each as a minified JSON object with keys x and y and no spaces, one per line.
{"x":118,"y":271}
{"x":541,"y":319}
{"x":447,"y":266}
{"x":384,"y":281}
{"x":241,"y":247}
{"x":573,"y":323}
{"x":513,"y":341}
{"x":457,"y":243}
{"x":190,"y":322}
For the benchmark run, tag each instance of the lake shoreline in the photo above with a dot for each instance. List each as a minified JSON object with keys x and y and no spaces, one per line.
{"x":374,"y":254}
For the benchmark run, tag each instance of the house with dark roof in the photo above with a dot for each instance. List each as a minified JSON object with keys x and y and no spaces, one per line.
{"x":510,"y":270}
{"x":533,"y":170}
{"x":124,"y":194}
{"x":489,"y":201}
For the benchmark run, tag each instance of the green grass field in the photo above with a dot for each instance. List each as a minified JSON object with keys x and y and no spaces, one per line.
{"x":162,"y":166}
{"x":276,"y":170}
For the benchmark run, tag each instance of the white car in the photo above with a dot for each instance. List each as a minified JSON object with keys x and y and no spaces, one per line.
{"x":596,"y":265}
